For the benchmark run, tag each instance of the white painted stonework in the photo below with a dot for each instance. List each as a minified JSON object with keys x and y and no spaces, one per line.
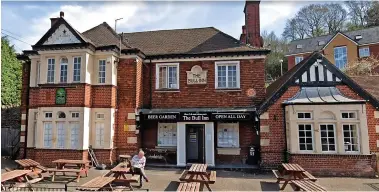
{"x":376,"y":114}
{"x":131,"y":116}
{"x":377,"y":128}
{"x":22,"y":139}
{"x":265,"y":115}
{"x":132,"y":139}
{"x":23,"y":128}
{"x":265,"y":142}
{"x":131,"y":128}
{"x":377,"y":143}
{"x":62,"y":35}
{"x":23,"y":116}
{"x":265,"y":129}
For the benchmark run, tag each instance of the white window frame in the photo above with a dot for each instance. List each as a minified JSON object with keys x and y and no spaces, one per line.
{"x":348,"y":114}
{"x":327,"y":137}
{"x":298,"y":59}
{"x":313,"y":138}
{"x":358,"y":138}
{"x":51,"y":116}
{"x":235,"y":127}
{"x":38,"y":72}
{"x":335,"y":59}
{"x":297,"y":115}
{"x":227,"y":63}
{"x":63,"y":73}
{"x":102,"y":74}
{"x":157,"y":66}
{"x":364,"y":52}
{"x":77,"y":69}
{"x":75,"y":115}
{"x":74,"y":135}
{"x":47,"y":142}
{"x":161,"y":137}
{"x":99,"y":134}
{"x":98,"y":116}
{"x":61,"y":135}
{"x":50,"y":79}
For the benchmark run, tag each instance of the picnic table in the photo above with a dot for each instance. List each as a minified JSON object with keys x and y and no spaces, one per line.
{"x":307,"y":185}
{"x":294,"y":172}
{"x":97,"y":184}
{"x":81,"y":167}
{"x":198,"y":173}
{"x":18,"y":175}
{"x":28,"y":164}
{"x":119,"y":174}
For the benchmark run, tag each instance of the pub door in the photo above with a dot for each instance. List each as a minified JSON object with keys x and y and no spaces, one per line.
{"x":195,"y":152}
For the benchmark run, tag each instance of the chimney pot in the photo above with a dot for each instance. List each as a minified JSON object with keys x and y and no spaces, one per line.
{"x":61,"y":14}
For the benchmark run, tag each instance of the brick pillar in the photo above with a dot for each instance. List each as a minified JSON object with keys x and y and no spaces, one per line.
{"x":24,"y":107}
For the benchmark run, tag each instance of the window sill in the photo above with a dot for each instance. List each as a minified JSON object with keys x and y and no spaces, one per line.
{"x":228,"y":151}
{"x":227,"y":90}
{"x":328,"y":153}
{"x":167,"y":90}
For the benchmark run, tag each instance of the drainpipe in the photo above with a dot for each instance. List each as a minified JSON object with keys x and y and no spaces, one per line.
{"x":285,"y":152}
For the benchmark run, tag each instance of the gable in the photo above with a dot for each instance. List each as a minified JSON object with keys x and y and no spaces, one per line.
{"x":317,"y":74}
{"x":61,"y":35}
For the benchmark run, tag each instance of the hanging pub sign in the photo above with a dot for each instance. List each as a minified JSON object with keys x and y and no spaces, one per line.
{"x":162,"y":116}
{"x":193,"y":116}
{"x":60,"y":96}
{"x":196,"y":76}
{"x":231,"y":116}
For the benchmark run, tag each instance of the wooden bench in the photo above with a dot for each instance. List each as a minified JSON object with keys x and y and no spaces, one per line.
{"x":278,"y":176}
{"x":193,"y":186}
{"x":212,"y":177}
{"x":309,"y":176}
{"x":76,"y":171}
{"x":307,"y":185}
{"x":183,"y":175}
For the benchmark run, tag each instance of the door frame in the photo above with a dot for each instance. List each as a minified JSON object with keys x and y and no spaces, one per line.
{"x":202,"y":158}
{"x":209,"y":143}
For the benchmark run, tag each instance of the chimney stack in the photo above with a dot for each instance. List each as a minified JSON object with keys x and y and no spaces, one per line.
{"x":61,"y":14}
{"x":54,"y":20}
{"x":251,"y":30}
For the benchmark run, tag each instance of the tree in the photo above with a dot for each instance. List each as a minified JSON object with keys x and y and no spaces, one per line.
{"x":313,"y":18}
{"x":278,"y":47}
{"x":335,"y":17}
{"x":373,"y":15}
{"x":11,"y":75}
{"x":358,"y":13}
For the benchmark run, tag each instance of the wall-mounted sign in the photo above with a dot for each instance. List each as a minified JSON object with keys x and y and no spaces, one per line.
{"x":194,"y":116}
{"x":196,"y":76}
{"x":231,"y":116}
{"x":162,"y":116}
{"x":60,"y":96}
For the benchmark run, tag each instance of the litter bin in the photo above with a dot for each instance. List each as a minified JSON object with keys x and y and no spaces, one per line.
{"x":253,"y":156}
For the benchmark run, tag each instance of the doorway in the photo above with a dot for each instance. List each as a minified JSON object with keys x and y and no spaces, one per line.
{"x":195,"y":148}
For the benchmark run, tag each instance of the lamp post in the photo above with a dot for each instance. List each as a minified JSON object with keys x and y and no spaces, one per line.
{"x":115,"y":23}
{"x":281,"y":67}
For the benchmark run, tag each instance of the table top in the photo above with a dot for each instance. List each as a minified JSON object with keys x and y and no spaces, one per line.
{"x":125,"y":156}
{"x":13,"y":174}
{"x":70,"y":161}
{"x":27,"y":162}
{"x":198,"y":168}
{"x":122,"y":167}
{"x":308,"y":185}
{"x":96,"y":183}
{"x":292,"y":167}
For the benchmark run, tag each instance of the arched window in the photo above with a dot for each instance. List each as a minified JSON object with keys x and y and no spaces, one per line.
{"x":64,"y":62}
{"x":61,"y":115}
{"x":327,"y":115}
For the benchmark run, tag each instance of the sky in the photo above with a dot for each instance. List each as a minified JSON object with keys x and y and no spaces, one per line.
{"x":29,"y":21}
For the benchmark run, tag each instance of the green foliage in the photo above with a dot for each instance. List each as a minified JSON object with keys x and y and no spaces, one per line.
{"x":278,"y":47}
{"x":373,"y":15}
{"x":11,"y":75}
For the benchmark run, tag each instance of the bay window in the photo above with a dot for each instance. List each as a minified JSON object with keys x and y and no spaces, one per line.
{"x":50,"y":70}
{"x":227,"y":75}
{"x":63,"y":76}
{"x":99,"y":134}
{"x":167,"y":134}
{"x":74,"y":135}
{"x":328,"y":140}
{"x":77,"y":66}
{"x":305,"y":137}
{"x":167,"y":76}
{"x":47,"y":134}
{"x":61,"y":135}
{"x":101,"y":71}
{"x":350,"y":137}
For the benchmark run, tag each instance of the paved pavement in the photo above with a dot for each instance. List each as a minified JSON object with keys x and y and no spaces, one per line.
{"x":166,"y":179}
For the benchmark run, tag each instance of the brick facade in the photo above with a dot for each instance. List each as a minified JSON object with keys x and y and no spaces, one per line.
{"x":46,"y":156}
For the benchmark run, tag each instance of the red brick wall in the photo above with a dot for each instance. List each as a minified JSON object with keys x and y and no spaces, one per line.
{"x":273,"y":155}
{"x":103,"y":96}
{"x":252,"y":23}
{"x":146,"y":85}
{"x":46,"y":156}
{"x":291,"y":59}
{"x":24,"y":103}
{"x":336,"y":165}
{"x":374,"y":51}
{"x":105,"y":156}
{"x":251,"y":75}
{"x":139,"y":84}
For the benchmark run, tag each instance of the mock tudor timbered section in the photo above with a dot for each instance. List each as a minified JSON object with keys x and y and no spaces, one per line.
{"x":316,"y":116}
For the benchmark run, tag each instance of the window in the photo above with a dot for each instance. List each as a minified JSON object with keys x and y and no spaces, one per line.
{"x":48,"y":115}
{"x":305,"y":137}
{"x":299,"y":46}
{"x":328,"y":141}
{"x":350,"y":137}
{"x":77,"y":66}
{"x":75,"y":115}
{"x":227,"y":75}
{"x":340,"y":56}
{"x":99,"y":134}
{"x":101,"y":71}
{"x":74,"y":135}
{"x":64,"y":63}
{"x":61,"y":135}
{"x":167,"y":134}
{"x":50,"y":70}
{"x":304,"y":115}
{"x":167,"y":76}
{"x":349,"y":115}
{"x":298,"y":59}
{"x":61,"y":115}
{"x":47,"y":134}
{"x":364,"y":52}
{"x":99,"y":115}
{"x":228,"y":135}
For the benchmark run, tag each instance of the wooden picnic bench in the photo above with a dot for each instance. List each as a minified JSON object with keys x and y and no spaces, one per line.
{"x":19,"y":176}
{"x":290,"y":172}
{"x":55,"y":171}
{"x":96,"y":184}
{"x":198,"y":173}
{"x":193,"y":187}
{"x":119,"y":173}
{"x":307,"y":185}
{"x":37,"y":168}
{"x":82,"y":167}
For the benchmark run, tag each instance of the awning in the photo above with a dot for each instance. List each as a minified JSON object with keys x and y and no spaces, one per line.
{"x":320,"y":95}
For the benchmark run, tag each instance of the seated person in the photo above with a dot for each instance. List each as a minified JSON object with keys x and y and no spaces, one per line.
{"x":138,"y":164}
